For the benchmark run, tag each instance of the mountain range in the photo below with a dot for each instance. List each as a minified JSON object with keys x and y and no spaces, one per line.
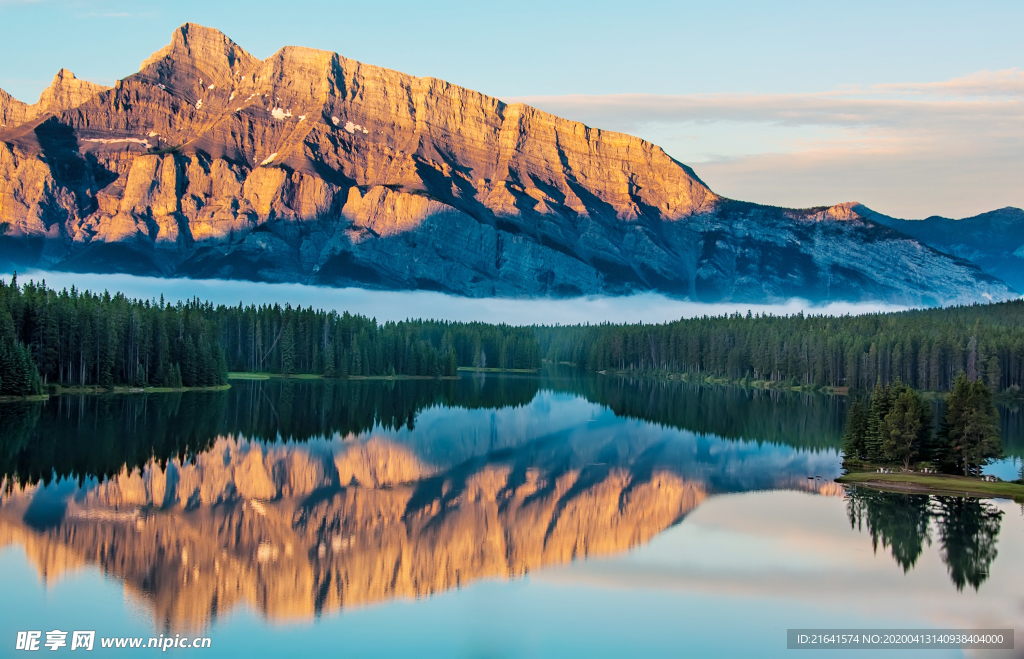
{"x":312,"y":168}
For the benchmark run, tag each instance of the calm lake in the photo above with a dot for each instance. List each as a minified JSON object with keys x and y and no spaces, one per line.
{"x":489,"y":516}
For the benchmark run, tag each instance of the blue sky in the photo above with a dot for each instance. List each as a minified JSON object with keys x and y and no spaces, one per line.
{"x":713,"y":83}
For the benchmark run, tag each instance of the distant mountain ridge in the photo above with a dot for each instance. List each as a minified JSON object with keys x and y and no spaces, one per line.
{"x":309,"y":167}
{"x":994,"y":241}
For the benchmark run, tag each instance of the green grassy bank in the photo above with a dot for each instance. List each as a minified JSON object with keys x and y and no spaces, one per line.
{"x":935,"y":484}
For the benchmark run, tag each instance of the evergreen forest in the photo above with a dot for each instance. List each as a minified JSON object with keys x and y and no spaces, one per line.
{"x":81,"y":338}
{"x":924,"y":348}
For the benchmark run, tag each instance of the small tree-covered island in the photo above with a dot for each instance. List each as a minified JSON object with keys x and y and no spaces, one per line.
{"x":892,"y":442}
{"x":895,"y":427}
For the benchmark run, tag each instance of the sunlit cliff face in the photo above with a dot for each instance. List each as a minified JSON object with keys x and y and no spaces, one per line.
{"x":298,"y":530}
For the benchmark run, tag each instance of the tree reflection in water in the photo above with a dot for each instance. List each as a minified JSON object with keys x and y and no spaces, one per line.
{"x":966,"y":529}
{"x":900,"y":521}
{"x":96,"y":436}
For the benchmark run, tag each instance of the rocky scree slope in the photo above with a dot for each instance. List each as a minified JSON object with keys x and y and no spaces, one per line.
{"x":309,"y":167}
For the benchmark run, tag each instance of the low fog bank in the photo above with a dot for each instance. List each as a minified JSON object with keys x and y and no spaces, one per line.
{"x":400,"y":305}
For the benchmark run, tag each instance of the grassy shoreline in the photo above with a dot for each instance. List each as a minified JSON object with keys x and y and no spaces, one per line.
{"x":703,"y":378}
{"x":1007,"y":397}
{"x":57,"y":390}
{"x":315,"y":376}
{"x":23,"y":399}
{"x":935,"y":484}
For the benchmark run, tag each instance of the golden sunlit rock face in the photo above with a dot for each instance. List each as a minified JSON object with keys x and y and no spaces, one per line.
{"x":64,"y":93}
{"x":310,"y":167}
{"x":294,"y":531}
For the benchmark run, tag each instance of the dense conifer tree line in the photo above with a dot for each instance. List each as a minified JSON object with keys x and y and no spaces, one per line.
{"x":82,"y":338}
{"x":86,"y":339}
{"x":286,"y":340}
{"x":925,"y":349}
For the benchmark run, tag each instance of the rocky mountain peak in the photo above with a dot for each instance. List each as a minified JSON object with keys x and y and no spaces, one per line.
{"x":12,"y":111}
{"x":197,"y":58}
{"x":850,"y":211}
{"x":993,"y":240}
{"x":66,"y":92}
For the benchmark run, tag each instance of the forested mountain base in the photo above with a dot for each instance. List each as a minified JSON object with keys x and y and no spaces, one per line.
{"x":924,"y":349}
{"x":75,"y":338}
{"x":85,"y":339}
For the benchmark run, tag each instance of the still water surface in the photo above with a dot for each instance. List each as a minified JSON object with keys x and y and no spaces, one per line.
{"x":488,"y":516}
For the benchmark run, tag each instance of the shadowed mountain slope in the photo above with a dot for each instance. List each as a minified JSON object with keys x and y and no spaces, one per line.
{"x":994,"y":241}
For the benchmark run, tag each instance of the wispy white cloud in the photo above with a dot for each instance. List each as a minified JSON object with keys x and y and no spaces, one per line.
{"x":984,"y":95}
{"x":954,"y":147}
{"x":1008,"y":82}
{"x":792,"y":109}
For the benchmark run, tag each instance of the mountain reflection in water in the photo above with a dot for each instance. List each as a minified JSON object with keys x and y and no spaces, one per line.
{"x":304,"y":497}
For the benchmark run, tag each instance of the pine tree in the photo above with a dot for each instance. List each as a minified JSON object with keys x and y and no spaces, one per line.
{"x":330,"y":370}
{"x":187,"y":366}
{"x":854,"y":441}
{"x":343,"y":371}
{"x":435,"y":364}
{"x":878,"y":408}
{"x":907,"y":427}
{"x":969,"y":436}
{"x":288,"y":348}
{"x":993,"y":374}
{"x":357,"y":359}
